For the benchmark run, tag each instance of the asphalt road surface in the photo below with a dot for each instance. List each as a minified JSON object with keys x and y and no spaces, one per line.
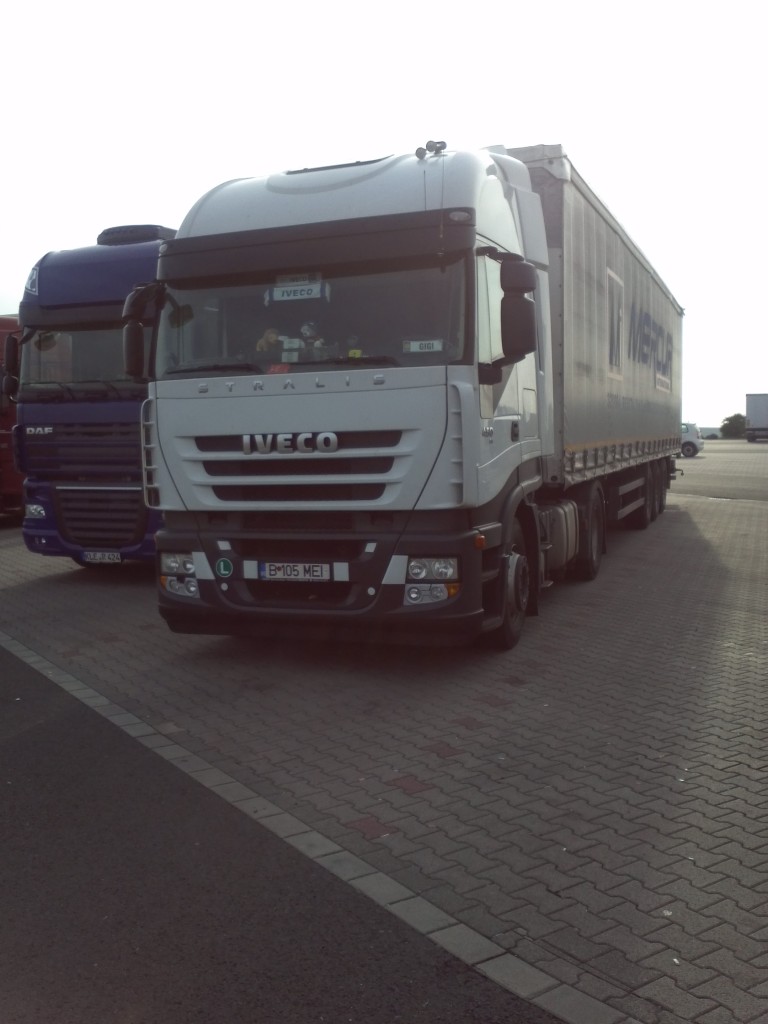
{"x":132,"y":894}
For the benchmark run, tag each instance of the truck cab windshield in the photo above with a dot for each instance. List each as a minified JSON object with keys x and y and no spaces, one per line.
{"x":405,"y":315}
{"x":75,"y":363}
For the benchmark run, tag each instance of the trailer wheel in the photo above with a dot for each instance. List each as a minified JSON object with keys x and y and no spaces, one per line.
{"x":655,"y":490}
{"x":515,"y":591}
{"x":591,"y":535}
{"x":642,"y":517}
{"x":661,"y":468}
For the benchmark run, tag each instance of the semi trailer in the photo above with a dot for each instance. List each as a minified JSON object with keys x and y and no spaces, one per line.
{"x":398,"y":398}
{"x":757,"y":418}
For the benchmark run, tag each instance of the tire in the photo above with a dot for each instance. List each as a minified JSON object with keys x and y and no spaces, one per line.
{"x":642,"y":517}
{"x":655,"y":489}
{"x":591,"y":535}
{"x":689,"y":449}
{"x":514,"y":591}
{"x":662,"y":470}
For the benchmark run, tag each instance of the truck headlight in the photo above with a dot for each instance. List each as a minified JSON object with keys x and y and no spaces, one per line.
{"x":431,"y":580}
{"x":433,"y":568}
{"x":172,"y":562}
{"x":34,"y":511}
{"x":177,"y":574}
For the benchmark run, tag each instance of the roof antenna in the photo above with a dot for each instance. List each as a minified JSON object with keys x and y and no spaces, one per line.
{"x":431,"y":147}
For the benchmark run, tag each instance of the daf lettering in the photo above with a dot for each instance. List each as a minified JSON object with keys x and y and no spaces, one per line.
{"x":286,"y":444}
{"x":38,"y":430}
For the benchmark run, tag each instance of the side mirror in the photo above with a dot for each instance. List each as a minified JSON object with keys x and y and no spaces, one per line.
{"x":139,"y":308}
{"x":133,"y":349}
{"x":518,"y":326}
{"x":11,"y":355}
{"x":9,"y":385}
{"x":518,"y":278}
{"x":518,"y":275}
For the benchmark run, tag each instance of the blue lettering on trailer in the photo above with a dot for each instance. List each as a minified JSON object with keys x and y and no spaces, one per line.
{"x":649,"y":342}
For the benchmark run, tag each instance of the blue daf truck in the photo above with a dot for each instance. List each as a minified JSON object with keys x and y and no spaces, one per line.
{"x":77,"y":437}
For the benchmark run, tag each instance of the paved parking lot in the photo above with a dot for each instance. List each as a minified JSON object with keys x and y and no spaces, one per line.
{"x":585,"y":817}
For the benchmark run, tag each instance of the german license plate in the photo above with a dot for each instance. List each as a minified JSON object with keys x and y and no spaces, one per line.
{"x":300,"y":572}
{"x":102,"y":556}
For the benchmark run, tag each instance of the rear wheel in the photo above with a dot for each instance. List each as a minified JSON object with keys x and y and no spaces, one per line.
{"x":515,"y":594}
{"x":688,"y":448}
{"x":591,"y":535}
{"x":662,"y":470}
{"x":642,"y":517}
{"x":655,"y":490}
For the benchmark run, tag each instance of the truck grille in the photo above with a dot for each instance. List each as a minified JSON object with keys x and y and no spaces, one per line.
{"x":359,"y":470}
{"x":101,"y":518}
{"x":86,"y":451}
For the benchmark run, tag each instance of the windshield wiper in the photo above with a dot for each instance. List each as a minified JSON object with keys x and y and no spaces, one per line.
{"x":43,"y":391}
{"x":206,"y":367}
{"x":107,"y":385}
{"x":349,"y":361}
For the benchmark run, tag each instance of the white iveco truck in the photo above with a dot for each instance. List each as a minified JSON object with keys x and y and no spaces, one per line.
{"x":397,"y":398}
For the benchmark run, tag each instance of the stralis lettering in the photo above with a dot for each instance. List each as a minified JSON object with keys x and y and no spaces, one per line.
{"x":283,"y":444}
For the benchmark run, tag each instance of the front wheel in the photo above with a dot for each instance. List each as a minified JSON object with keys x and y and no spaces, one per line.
{"x":515,"y":584}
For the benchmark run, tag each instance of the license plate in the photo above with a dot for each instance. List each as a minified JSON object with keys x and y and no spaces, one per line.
{"x":300,"y":572}
{"x":102,"y":556}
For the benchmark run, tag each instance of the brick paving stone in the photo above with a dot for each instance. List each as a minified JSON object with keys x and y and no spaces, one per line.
{"x":634,"y":947}
{"x":595,"y":984}
{"x":520,"y":855}
{"x":428,"y":861}
{"x":723,"y":1016}
{"x":466,"y":943}
{"x":668,"y":994}
{"x":695,"y":899}
{"x":680,"y":944}
{"x":547,"y":901}
{"x":748,"y":976}
{"x":740,"y":892}
{"x":726,"y":936}
{"x":751,"y":923}
{"x":751,"y":858}
{"x":602,"y":878}
{"x":577,"y":1008}
{"x":371,"y":827}
{"x":447,"y":899}
{"x":583,"y":920}
{"x":636,"y":893}
{"x":687,"y":974}
{"x":485,"y":922}
{"x":575,"y":945}
{"x":744,"y":1006}
{"x":516,"y":975}
{"x":679,"y":916}
{"x":630,"y":974}
{"x":529,"y":921}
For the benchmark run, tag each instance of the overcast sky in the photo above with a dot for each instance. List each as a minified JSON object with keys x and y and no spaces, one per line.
{"x":128,"y":113}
